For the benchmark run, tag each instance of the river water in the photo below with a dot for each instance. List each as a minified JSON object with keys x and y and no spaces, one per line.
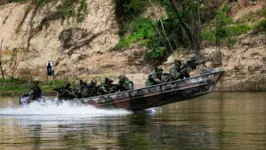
{"x":214,"y":121}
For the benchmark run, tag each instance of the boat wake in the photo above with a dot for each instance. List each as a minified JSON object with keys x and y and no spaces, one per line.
{"x":49,"y":108}
{"x":50,"y":113}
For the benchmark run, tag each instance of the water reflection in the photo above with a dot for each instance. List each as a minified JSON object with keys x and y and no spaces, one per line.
{"x":216,"y":121}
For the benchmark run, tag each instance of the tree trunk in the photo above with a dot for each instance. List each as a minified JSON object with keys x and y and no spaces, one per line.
{"x":1,"y":68}
{"x":193,"y":39}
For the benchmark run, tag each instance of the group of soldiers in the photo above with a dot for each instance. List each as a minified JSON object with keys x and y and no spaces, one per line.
{"x":177,"y":72}
{"x":67,"y":92}
{"x":84,"y":90}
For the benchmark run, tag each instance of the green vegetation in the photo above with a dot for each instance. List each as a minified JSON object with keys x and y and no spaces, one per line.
{"x":4,"y":21}
{"x":223,"y":30}
{"x":261,"y":26}
{"x":209,"y":34}
{"x":181,"y":28}
{"x":162,"y":37}
{"x":68,"y":9}
{"x":12,"y":87}
{"x":142,"y":32}
{"x":16,"y":87}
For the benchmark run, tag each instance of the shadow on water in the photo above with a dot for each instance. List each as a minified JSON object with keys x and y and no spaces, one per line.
{"x":215,"y":121}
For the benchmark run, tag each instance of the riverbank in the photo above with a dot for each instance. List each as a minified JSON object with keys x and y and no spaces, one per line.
{"x":90,"y":48}
{"x":18,"y":87}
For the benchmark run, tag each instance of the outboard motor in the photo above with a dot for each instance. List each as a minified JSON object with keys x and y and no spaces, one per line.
{"x":25,"y":100}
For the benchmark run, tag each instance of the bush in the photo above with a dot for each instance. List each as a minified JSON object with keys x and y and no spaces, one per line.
{"x":261,"y":26}
{"x":236,"y":30}
{"x":142,"y":31}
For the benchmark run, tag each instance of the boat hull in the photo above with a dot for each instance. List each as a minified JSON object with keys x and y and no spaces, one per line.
{"x":157,"y":95}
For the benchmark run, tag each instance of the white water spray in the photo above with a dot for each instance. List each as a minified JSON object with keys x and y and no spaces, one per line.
{"x":66,"y":109}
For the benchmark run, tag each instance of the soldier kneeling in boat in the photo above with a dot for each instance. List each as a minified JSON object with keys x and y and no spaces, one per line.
{"x":175,"y":71}
{"x":124,"y":83}
{"x":81,"y":90}
{"x":65,"y":92}
{"x":93,"y":88}
{"x":106,"y":87}
{"x":155,"y":77}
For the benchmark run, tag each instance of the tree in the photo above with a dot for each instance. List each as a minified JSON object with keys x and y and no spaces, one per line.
{"x":1,"y":67}
{"x":192,"y":25}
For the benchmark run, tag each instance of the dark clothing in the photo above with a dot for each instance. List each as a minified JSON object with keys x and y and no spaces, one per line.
{"x":175,"y":72}
{"x":184,"y":74}
{"x":104,"y":89}
{"x":35,"y":92}
{"x":154,"y":78}
{"x":65,"y":92}
{"x":125,"y":84}
{"x":93,"y":89}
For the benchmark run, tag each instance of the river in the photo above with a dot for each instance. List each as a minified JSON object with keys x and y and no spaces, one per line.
{"x":214,"y":121}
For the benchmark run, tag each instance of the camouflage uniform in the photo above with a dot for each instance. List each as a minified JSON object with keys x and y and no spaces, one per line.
{"x":93,"y":89}
{"x":82,"y":91}
{"x":106,"y":87}
{"x":184,"y":71}
{"x":65,"y":92}
{"x":125,"y":84}
{"x":35,"y":92}
{"x":155,"y":77}
{"x":175,"y":71}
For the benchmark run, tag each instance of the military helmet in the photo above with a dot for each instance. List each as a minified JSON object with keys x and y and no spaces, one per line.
{"x":108,"y":80}
{"x":36,"y":80}
{"x":158,"y":68}
{"x":94,"y":80}
{"x":178,"y":62}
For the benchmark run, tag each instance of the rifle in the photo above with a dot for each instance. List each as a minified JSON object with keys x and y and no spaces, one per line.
{"x":193,"y":64}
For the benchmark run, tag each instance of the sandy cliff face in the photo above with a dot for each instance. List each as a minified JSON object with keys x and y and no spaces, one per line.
{"x":83,"y":50}
{"x":72,"y":46}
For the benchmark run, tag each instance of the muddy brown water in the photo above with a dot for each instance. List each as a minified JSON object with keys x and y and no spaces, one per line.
{"x":214,"y":121}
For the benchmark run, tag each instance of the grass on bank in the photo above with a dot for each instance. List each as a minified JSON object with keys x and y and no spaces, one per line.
{"x":209,"y":34}
{"x":17,"y":87}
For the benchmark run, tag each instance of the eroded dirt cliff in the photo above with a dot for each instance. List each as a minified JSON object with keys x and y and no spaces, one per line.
{"x":85,"y":49}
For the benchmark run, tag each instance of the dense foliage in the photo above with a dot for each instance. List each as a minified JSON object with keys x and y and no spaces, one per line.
{"x":181,"y":29}
{"x":188,"y":22}
{"x":262,"y":24}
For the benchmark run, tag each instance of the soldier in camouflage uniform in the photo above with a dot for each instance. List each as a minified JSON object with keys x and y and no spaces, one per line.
{"x":80,"y":90}
{"x":65,"y":92}
{"x":124,"y":83}
{"x":93,"y":88}
{"x":106,"y":87}
{"x":175,"y":71}
{"x":155,"y":77}
{"x":35,"y":91}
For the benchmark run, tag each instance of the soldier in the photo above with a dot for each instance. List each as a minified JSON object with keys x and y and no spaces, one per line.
{"x":35,"y":92}
{"x":65,"y":92}
{"x":93,"y":89}
{"x":106,"y":87}
{"x":80,"y":90}
{"x":155,"y":77}
{"x":175,"y":71}
{"x":124,"y":83}
{"x":190,"y":64}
